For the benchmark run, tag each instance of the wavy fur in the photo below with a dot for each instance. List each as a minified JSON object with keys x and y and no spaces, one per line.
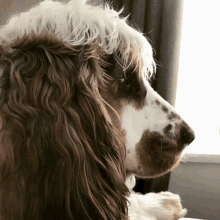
{"x":61,"y":157}
{"x":55,"y":138}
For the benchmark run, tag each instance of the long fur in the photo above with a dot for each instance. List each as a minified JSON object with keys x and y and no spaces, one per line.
{"x":62,"y":156}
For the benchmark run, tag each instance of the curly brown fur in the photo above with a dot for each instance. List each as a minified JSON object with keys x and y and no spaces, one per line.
{"x":60,"y":156}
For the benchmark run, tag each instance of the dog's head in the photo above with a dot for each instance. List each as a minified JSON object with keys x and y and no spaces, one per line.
{"x":77,"y":112}
{"x":155,"y":135}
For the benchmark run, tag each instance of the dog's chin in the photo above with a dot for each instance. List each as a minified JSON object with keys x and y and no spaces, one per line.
{"x":158,"y":167}
{"x":155,"y":155}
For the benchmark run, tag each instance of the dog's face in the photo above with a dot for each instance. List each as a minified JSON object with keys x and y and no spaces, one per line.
{"x":154,"y":133}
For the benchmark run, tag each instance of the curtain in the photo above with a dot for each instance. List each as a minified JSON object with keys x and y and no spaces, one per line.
{"x":161,"y":22}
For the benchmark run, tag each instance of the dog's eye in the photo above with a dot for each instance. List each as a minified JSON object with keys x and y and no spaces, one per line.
{"x":125,"y":82}
{"x":132,"y":87}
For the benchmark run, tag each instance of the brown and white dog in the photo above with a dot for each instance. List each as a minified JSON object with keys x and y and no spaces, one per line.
{"x":78,"y":114}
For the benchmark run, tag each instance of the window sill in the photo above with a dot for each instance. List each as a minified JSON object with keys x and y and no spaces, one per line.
{"x":201,"y":158}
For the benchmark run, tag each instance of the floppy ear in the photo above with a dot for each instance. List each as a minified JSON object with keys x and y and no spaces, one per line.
{"x":60,"y":158}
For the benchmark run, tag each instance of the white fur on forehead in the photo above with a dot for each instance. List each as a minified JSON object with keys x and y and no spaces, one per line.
{"x":78,"y":23}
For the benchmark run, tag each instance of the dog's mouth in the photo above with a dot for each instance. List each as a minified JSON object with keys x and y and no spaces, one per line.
{"x":158,"y":154}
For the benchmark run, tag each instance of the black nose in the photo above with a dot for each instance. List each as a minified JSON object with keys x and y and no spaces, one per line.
{"x":187,"y":135}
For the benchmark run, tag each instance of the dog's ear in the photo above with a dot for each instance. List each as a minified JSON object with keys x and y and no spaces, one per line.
{"x":61,"y":158}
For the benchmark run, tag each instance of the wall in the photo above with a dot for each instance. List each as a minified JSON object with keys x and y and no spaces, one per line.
{"x":198,"y":184}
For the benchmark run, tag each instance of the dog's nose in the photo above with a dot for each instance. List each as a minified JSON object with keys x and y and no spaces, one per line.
{"x":187,"y":135}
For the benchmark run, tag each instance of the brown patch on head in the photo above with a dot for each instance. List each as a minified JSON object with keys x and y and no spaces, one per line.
{"x":124,"y":88}
{"x":173,"y":116}
{"x":164,"y":108}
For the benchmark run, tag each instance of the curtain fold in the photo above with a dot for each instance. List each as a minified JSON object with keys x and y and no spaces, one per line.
{"x":161,"y":22}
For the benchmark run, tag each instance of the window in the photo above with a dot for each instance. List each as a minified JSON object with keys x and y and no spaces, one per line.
{"x":198,"y":90}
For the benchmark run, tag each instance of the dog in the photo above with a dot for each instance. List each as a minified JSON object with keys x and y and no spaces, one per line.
{"x":79,"y":118}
